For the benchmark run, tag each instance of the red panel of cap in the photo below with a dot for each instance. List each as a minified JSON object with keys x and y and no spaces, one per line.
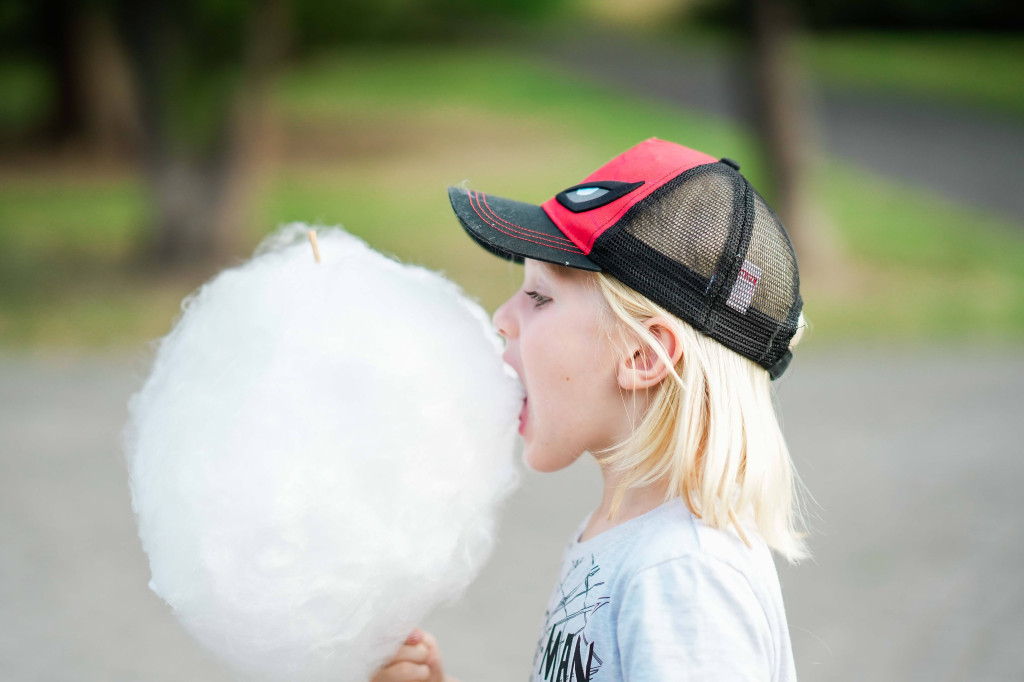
{"x":653,"y":161}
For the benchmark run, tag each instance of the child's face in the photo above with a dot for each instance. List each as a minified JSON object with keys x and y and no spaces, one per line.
{"x":561,"y":351}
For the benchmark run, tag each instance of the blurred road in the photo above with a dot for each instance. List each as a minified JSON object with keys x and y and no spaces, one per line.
{"x":969,"y":155}
{"x":915,"y":458}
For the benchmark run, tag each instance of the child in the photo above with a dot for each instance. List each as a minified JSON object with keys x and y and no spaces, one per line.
{"x":660,"y":298}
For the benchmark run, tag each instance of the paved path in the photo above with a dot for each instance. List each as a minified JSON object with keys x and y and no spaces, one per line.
{"x":968,"y":155}
{"x":915,"y":459}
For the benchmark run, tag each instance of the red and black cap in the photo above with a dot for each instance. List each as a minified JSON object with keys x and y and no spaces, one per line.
{"x":680,"y":227}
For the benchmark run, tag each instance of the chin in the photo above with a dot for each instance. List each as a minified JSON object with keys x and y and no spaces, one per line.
{"x":546,"y":463}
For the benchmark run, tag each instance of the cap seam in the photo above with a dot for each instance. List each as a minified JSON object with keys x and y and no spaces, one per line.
{"x":658,"y":184}
{"x":735,"y":265}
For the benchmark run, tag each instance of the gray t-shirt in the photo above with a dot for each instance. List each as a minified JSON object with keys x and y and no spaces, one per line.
{"x":664,"y":597}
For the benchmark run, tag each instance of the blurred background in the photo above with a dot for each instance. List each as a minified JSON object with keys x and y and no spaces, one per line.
{"x":145,"y":146}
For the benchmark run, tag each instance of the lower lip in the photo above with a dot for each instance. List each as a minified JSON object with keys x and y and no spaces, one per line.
{"x":522,"y":417}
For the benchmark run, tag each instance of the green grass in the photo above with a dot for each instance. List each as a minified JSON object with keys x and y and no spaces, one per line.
{"x":24,"y":94}
{"x":55,"y":233}
{"x":371,"y":139}
{"x":88,"y":218}
{"x":959,"y":272}
{"x":65,"y":279}
{"x":932,"y":270}
{"x":485,"y":82}
{"x":970,"y":71}
{"x":973,"y":70}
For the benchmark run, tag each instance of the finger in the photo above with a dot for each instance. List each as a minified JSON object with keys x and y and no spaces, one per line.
{"x":403,"y":671}
{"x":428,"y":638}
{"x":415,"y":637}
{"x":434,"y":650}
{"x":417,"y":653}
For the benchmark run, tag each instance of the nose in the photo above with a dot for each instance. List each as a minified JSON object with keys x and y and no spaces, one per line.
{"x":504,"y":320}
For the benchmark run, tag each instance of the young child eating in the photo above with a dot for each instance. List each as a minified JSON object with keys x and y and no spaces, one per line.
{"x":660,"y":299}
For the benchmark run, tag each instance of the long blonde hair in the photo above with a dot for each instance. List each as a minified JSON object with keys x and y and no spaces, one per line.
{"x":710,"y":432}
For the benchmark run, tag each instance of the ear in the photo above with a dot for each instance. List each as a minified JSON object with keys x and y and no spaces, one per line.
{"x":641,"y":367}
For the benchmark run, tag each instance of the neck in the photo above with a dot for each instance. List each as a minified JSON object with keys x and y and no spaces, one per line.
{"x":635,"y":501}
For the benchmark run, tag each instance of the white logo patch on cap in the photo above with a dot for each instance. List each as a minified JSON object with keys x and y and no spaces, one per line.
{"x":743,"y":290}
{"x":585,"y":194}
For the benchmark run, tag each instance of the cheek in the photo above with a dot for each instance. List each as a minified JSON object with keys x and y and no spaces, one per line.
{"x":546,"y":357}
{"x":561,"y":375}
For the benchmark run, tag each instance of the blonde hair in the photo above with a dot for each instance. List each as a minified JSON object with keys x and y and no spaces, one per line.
{"x":710,"y":432}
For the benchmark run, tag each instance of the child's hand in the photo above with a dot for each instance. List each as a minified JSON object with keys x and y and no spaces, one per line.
{"x":419,"y":660}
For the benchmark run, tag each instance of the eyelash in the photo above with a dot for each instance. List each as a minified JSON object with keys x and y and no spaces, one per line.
{"x":540,"y":298}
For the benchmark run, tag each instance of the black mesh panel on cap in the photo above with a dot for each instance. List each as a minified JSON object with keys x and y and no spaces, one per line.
{"x":771,"y":249}
{"x":707,"y":247}
{"x":690,"y":220}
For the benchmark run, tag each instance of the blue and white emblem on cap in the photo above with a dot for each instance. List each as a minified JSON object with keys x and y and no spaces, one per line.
{"x":578,"y":196}
{"x":592,"y":195}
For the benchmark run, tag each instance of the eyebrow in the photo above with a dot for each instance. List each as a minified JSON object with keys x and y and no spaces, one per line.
{"x":542,"y":275}
{"x":547,"y":273}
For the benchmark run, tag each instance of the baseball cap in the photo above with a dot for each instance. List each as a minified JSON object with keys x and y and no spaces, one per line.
{"x":684,"y":229}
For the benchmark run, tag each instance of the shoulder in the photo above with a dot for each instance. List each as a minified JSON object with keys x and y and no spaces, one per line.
{"x":682,"y":562}
{"x":698,"y":614}
{"x":694,"y":588}
{"x":699,"y":596}
{"x":676,"y":536}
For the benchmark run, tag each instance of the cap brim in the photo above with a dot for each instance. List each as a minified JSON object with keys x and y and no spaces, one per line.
{"x":515,"y":230}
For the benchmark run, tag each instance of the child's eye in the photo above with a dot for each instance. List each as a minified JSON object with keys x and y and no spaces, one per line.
{"x":540,"y":298}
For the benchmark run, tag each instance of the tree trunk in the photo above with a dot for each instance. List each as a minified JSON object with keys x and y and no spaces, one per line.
{"x":784,"y":125}
{"x":108,"y":106}
{"x":93,"y":105}
{"x":201,"y":191}
{"x":55,"y":35}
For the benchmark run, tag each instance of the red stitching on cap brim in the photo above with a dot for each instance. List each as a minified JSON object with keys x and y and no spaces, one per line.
{"x":477,"y":208}
{"x":482,"y":197}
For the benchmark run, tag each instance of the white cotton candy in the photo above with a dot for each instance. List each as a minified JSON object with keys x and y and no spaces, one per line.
{"x":318,"y":456}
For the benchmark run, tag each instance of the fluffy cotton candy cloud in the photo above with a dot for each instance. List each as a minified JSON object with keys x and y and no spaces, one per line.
{"x":319,"y":454}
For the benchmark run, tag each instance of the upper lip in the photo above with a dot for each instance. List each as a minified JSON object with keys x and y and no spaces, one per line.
{"x":519,"y":373}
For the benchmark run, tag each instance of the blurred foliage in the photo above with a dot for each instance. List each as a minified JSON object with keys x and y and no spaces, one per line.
{"x":369,"y":138}
{"x":968,"y":69}
{"x":214,"y":26}
{"x":911,"y":15}
{"x":324,"y":23}
{"x":181,"y":86}
{"x":999,"y":15}
{"x":960,"y":271}
{"x":354,"y":124}
{"x":189,"y":52}
{"x":17,"y":21}
{"x":193,"y":52}
{"x":975,"y":69}
{"x":189,"y":58}
{"x":25,"y":95}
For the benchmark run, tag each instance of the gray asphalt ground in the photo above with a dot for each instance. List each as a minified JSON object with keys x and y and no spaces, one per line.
{"x":966,"y":154}
{"x":914,"y":458}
